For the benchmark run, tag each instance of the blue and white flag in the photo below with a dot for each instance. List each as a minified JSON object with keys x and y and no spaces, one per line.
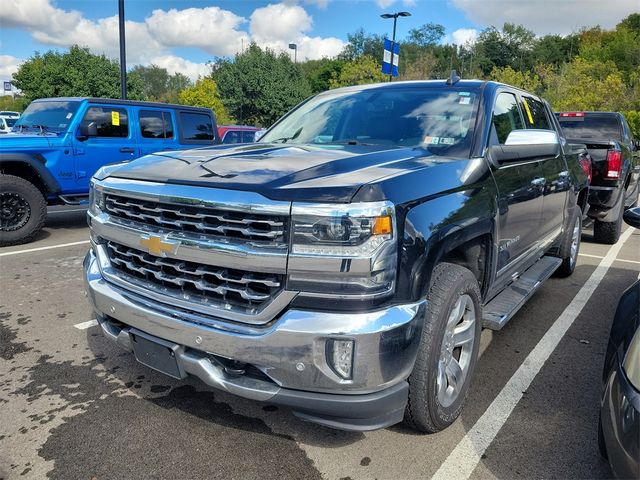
{"x":387,"y":69}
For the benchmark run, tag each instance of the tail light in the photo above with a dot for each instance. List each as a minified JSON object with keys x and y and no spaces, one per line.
{"x":614,"y":165}
{"x":572,"y":114}
{"x":585,"y":163}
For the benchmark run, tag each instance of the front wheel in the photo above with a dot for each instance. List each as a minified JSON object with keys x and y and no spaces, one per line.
{"x":22,"y":210}
{"x":439,"y":383}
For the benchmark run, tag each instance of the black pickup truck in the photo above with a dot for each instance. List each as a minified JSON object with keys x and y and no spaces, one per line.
{"x":615,"y":166}
{"x":345,"y":264}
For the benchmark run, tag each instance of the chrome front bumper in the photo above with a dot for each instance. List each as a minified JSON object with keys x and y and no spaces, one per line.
{"x":290,"y":351}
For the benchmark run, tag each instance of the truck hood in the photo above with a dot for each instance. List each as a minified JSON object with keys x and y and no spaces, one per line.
{"x":328,"y":173}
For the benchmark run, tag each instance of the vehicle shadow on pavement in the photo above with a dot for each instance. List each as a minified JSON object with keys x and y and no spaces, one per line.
{"x":196,"y":399}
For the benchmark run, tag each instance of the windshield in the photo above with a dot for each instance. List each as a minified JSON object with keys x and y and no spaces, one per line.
{"x":599,"y":127}
{"x":52,"y":116}
{"x":10,"y":121}
{"x":439,"y":119}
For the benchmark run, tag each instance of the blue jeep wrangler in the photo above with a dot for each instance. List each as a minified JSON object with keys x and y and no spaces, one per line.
{"x":59,"y":143}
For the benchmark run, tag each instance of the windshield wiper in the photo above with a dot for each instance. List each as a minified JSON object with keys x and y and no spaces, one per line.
{"x":351,"y":141}
{"x":286,"y":139}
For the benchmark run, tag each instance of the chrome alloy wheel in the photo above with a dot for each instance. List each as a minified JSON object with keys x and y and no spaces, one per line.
{"x":575,"y":243}
{"x":456,"y":350}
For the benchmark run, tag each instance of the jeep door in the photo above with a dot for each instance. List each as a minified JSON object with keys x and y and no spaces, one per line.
{"x":103,"y":136}
{"x":520,"y":184}
{"x":156,"y":131}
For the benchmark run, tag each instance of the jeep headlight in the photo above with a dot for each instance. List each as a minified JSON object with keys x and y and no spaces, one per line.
{"x":345,"y":250}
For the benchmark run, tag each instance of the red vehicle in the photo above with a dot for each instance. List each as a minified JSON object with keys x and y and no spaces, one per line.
{"x":237,"y":133}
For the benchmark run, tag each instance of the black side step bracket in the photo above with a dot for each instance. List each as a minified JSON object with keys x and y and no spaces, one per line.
{"x":504,"y":306}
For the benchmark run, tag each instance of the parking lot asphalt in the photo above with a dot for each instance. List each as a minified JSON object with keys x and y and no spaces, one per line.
{"x":75,"y":406}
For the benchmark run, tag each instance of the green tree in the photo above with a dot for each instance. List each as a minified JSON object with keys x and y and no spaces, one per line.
{"x":319,"y":72}
{"x":259,"y":86}
{"x":205,"y":94}
{"x":427,"y":35}
{"x":154,"y":80}
{"x":76,"y":73}
{"x":363,"y":70}
{"x":511,"y":46}
{"x":633,"y":119}
{"x":526,"y":80}
{"x":361,"y":43}
{"x":13,"y":104}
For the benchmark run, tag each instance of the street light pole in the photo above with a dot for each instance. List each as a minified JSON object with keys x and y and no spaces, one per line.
{"x":123,"y":52}
{"x":393,"y":39}
{"x":294,"y":47}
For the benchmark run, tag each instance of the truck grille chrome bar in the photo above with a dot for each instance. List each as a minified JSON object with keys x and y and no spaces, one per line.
{"x":200,"y":283}
{"x":254,"y":227}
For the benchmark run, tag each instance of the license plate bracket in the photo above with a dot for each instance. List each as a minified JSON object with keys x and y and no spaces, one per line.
{"x":157,"y":353}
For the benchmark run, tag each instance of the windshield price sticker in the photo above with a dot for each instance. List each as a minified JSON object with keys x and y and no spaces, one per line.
{"x":115,"y":119}
{"x":431,"y":140}
{"x":464,"y":100}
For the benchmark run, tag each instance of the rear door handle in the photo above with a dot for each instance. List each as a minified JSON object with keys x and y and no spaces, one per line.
{"x":127,"y":150}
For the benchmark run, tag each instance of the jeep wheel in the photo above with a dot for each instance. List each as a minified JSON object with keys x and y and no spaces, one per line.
{"x":439,"y":383}
{"x":22,"y":210}
{"x":570,"y":246}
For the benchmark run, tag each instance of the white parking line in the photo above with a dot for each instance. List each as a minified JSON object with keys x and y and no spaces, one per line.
{"x":463,"y":460}
{"x":85,"y":325}
{"x":601,"y":257}
{"x":29,"y":250}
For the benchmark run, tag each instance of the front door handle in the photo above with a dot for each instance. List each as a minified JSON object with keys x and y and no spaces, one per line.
{"x":127,"y":150}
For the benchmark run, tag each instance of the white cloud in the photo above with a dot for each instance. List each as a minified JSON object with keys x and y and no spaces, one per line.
{"x":175,"y":64}
{"x":278,"y":24}
{"x":548,"y":16}
{"x":385,"y":3}
{"x":8,"y":66}
{"x":212,"y":29}
{"x":462,"y":36}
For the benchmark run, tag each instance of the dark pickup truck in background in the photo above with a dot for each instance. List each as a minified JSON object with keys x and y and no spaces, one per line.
{"x":345,"y":264}
{"x":615,"y":166}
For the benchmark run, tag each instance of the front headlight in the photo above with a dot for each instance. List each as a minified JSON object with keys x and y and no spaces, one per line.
{"x":346,"y":250}
{"x":96,"y":199}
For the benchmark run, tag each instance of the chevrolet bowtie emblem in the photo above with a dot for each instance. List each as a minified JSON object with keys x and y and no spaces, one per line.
{"x":157,"y":246}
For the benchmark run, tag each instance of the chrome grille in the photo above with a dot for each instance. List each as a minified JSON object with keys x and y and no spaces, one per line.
{"x":195,"y":219}
{"x":218,"y":287}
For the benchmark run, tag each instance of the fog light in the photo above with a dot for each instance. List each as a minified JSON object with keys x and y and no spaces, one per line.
{"x":340,"y":357}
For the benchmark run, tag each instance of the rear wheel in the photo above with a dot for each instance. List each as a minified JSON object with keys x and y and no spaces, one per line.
{"x":570,"y":246}
{"x":609,"y":232}
{"x":439,"y":383}
{"x":22,"y":210}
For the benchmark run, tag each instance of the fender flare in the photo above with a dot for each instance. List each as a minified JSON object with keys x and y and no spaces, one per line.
{"x":37,"y":164}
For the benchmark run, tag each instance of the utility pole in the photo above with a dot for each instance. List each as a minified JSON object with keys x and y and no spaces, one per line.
{"x":123,"y":52}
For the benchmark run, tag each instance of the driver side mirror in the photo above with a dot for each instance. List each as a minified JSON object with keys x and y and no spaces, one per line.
{"x":87,"y":130}
{"x":522,"y":145}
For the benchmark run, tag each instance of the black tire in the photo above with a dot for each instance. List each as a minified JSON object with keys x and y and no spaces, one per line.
{"x":568,"y":255}
{"x":609,"y":232}
{"x":23,"y":210}
{"x":602,"y":446}
{"x":424,"y":410}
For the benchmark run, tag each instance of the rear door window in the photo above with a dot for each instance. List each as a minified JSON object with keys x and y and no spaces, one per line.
{"x":196,"y":127}
{"x":155,"y":124}
{"x":535,"y":114}
{"x":506,"y":118}
{"x":110,"y":121}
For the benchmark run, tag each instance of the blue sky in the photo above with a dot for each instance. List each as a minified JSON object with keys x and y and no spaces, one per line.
{"x":182,"y":35}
